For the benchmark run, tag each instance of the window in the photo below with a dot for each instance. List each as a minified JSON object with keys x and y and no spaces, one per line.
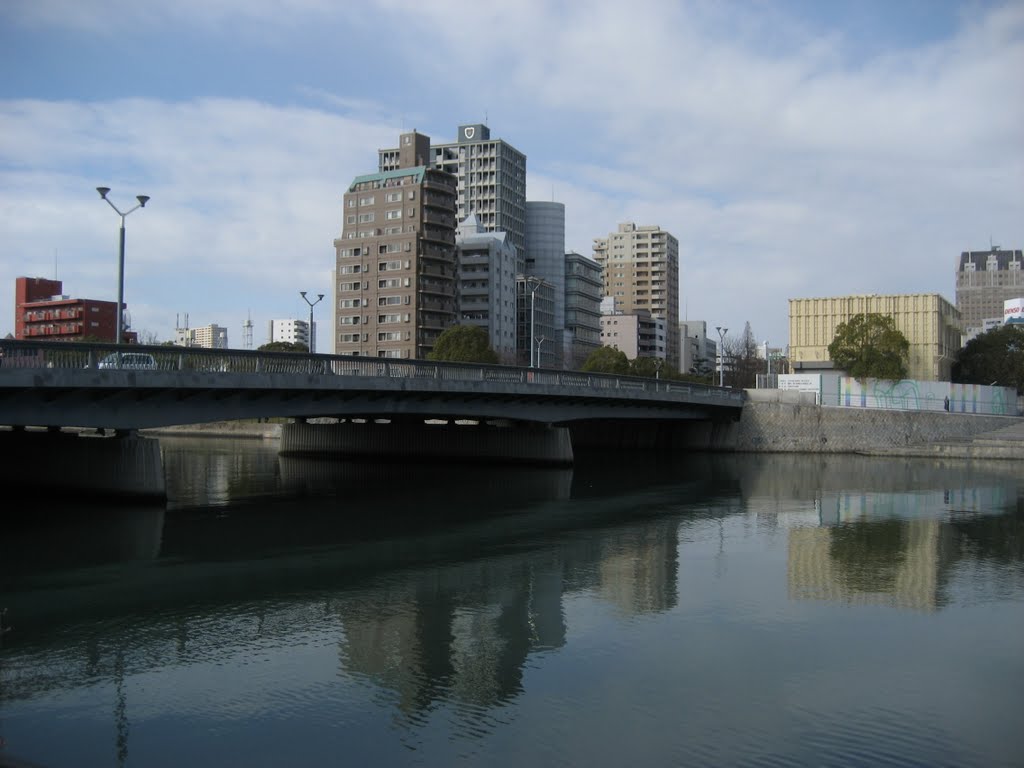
{"x":348,"y":338}
{"x":349,"y":320}
{"x":366,"y":201}
{"x":389,"y":336}
{"x":394,"y":213}
{"x":389,"y":266}
{"x":387,"y":301}
{"x":349,"y":269}
{"x":386,"y":319}
{"x":349,"y":303}
{"x":393,"y":282}
{"x":350,"y":219}
{"x":366,"y":218}
{"x":351,"y":202}
{"x":394,"y":197}
{"x":348,"y":286}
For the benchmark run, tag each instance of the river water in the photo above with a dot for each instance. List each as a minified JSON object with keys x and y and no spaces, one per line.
{"x":700,"y":610}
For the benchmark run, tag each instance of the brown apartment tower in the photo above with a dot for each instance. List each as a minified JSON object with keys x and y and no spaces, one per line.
{"x":396,"y":258}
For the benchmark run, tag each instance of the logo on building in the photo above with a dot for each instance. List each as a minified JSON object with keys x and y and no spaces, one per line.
{"x":469,"y":132}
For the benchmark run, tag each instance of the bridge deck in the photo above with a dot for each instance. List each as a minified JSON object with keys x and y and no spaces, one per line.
{"x":65,"y":384}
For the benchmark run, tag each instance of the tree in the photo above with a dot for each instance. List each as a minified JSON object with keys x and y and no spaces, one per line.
{"x":996,"y":356}
{"x":464,"y":344}
{"x":283,"y":346}
{"x":648,"y":367}
{"x":870,"y":346}
{"x":744,"y":362}
{"x":607,"y":360}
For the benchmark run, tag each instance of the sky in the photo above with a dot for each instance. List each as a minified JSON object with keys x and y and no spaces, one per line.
{"x":795,"y":148}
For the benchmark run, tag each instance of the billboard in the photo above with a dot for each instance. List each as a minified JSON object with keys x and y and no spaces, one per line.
{"x":1013,"y":311}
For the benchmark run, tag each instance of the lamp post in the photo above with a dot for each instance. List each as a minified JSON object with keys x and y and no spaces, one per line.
{"x":536,"y":282}
{"x":143,"y":199}
{"x":319,"y":298}
{"x":721,"y":354}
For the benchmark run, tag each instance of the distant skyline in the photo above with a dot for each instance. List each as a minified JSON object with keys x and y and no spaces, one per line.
{"x":795,"y":148}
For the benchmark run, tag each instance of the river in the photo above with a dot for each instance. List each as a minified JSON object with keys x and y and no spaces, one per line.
{"x":694,"y":610}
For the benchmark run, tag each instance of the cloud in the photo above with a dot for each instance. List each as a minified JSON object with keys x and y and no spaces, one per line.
{"x":789,"y":157}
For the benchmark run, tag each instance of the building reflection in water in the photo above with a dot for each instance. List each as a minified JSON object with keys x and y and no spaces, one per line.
{"x":444,"y":586}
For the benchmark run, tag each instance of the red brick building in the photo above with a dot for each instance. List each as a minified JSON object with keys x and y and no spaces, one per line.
{"x":42,"y":313}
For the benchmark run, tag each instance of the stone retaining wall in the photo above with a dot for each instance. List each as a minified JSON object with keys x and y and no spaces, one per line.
{"x":778,"y":425}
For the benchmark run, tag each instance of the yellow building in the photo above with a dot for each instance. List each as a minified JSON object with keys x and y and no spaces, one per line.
{"x":930,"y":323}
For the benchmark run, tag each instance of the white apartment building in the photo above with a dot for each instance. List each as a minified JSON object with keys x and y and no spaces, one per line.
{"x":486,"y":286}
{"x":289,"y":330}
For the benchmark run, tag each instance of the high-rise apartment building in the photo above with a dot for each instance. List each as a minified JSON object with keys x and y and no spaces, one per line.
{"x":697,"y":353}
{"x":583,"y":292}
{"x":395,"y":278}
{"x":984,"y":280}
{"x":641,"y":272}
{"x":486,"y":288}
{"x":41,"y":312}
{"x":929,"y":322}
{"x":490,"y":174}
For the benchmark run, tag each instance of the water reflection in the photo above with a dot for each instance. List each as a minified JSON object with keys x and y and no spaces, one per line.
{"x":439,"y":584}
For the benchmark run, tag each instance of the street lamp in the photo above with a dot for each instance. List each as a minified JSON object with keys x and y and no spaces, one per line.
{"x":536,"y":282}
{"x":319,"y":297}
{"x":721,"y":354}
{"x":143,"y":199}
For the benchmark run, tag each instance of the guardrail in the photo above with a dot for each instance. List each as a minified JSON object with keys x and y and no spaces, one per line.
{"x":20,"y":354}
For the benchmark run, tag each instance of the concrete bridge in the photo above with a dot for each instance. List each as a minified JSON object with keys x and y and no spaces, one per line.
{"x":375,"y":407}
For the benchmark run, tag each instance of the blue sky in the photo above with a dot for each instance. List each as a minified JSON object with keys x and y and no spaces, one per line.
{"x":795,"y":148}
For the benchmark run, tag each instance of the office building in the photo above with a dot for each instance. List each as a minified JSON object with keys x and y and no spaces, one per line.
{"x":545,"y":260}
{"x":490,"y":177}
{"x":288,"y":330}
{"x":583,"y":293}
{"x":984,"y":280}
{"x":395,"y":278}
{"x":43,"y":313}
{"x":641,"y":272}
{"x":930,"y":324}
{"x":535,"y":323}
{"x":486,"y":288}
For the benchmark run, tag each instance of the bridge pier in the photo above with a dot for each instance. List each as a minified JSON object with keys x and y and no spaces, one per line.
{"x":507,"y":442}
{"x":82,"y":465}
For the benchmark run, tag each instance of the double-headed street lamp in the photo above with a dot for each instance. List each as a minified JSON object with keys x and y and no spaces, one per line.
{"x":312,"y":339}
{"x":143,"y":199}
{"x":536,"y":282}
{"x":721,"y":354}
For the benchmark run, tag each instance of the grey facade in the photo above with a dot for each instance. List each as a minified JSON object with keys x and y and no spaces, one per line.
{"x":984,"y":280}
{"x":490,"y":173}
{"x":545,"y":259}
{"x":583,"y":292}
{"x":486,"y":287}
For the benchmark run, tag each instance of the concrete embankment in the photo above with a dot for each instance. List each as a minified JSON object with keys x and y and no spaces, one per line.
{"x":784,"y":422}
{"x":781,"y":422}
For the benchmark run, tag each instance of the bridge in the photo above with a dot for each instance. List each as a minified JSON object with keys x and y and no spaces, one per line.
{"x":57,"y":387}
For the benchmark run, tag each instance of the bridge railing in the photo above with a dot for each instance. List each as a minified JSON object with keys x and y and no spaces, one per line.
{"x":18,"y":354}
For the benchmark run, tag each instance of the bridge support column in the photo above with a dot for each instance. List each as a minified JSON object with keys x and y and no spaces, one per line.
{"x":82,"y":466}
{"x":513,"y":443}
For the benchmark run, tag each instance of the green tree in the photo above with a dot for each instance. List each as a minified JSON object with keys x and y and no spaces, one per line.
{"x":996,"y":356}
{"x":283,"y":346}
{"x":464,"y":344}
{"x":870,"y":346}
{"x":607,"y":360}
